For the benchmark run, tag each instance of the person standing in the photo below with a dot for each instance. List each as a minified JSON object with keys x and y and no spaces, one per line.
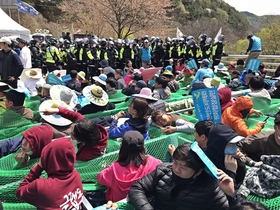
{"x":146,"y":54}
{"x":25,"y":54}
{"x":254,"y":48}
{"x":36,"y":55}
{"x":52,"y":56}
{"x":10,"y":63}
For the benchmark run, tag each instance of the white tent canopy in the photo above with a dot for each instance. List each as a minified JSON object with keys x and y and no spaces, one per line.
{"x":9,"y":27}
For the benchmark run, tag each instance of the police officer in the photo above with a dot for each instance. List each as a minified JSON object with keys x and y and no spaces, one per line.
{"x":126,"y":53}
{"x":36,"y":55}
{"x":158,"y":54}
{"x":194,"y":51}
{"x":218,"y":50}
{"x":207,"y":49}
{"x":112,"y":54}
{"x":52,"y":56}
{"x":93,"y":67}
{"x":70,"y":59}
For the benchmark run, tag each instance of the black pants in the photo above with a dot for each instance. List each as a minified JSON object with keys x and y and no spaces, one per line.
{"x":51,"y":67}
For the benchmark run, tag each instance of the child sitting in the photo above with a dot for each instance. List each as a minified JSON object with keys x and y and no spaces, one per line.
{"x":161,"y":91}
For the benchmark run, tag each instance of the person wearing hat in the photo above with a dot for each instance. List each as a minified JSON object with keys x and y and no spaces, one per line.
{"x":145,"y":54}
{"x":10,"y":64}
{"x":234,"y":116}
{"x":98,"y":98}
{"x":120,"y":80}
{"x":221,"y":69}
{"x":172,"y":84}
{"x":222,"y":151}
{"x":35,"y":78}
{"x":265,"y":143}
{"x":203,"y":72}
{"x":74,"y":83}
{"x":213,"y":82}
{"x":81,"y":76}
{"x":25,"y":54}
{"x":106,"y":69}
{"x":100,"y":81}
{"x":14,"y":101}
{"x":132,"y":164}
{"x":188,"y":76}
{"x":130,"y":88}
{"x":139,"y":85}
{"x":235,"y":80}
{"x":225,"y":98}
{"x":171,"y":123}
{"x":153,"y":103}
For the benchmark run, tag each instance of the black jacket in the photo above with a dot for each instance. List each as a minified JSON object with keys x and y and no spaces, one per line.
{"x":92,"y":108}
{"x":10,"y":65}
{"x":203,"y":194}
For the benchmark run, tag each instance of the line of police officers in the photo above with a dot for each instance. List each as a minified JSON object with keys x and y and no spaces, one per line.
{"x":84,"y":54}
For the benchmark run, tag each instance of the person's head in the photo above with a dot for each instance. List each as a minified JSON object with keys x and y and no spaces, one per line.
{"x":249,"y":36}
{"x":204,"y":63}
{"x":187,"y":71}
{"x":161,"y":118}
{"x":129,"y":63}
{"x":240,"y":62}
{"x":243,"y":104}
{"x":140,"y":84}
{"x":5,"y":43}
{"x":67,"y":33}
{"x":146,"y":42}
{"x":110,"y":83}
{"x":132,"y":149}
{"x":14,"y":98}
{"x":21,"y":43}
{"x":73,"y":74}
{"x":201,"y":133}
{"x":256,"y":83}
{"x":161,"y":82}
{"x":138,"y":108}
{"x":25,"y":146}
{"x":46,"y":90}
{"x":86,"y":132}
{"x":118,"y":73}
{"x":136,"y":77}
{"x":186,"y":165}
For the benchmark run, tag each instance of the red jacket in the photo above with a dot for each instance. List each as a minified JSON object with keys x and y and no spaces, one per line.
{"x":63,"y":188}
{"x":86,"y":153}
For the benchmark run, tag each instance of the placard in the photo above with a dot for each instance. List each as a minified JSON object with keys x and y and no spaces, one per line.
{"x":209,"y":164}
{"x":207,"y":104}
{"x":66,"y":78}
{"x":192,"y":64}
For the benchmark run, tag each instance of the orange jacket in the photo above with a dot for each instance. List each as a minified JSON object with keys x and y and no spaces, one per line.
{"x":233,"y":118}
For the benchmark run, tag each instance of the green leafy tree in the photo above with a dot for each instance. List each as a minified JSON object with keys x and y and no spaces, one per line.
{"x":270,"y":39}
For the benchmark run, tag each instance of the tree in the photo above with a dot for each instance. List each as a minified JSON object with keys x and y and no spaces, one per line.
{"x":127,"y":17}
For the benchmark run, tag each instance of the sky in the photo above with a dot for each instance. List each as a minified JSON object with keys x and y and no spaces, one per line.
{"x":257,"y":7}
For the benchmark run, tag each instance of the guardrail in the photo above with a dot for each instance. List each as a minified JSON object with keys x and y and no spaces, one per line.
{"x":261,"y":57}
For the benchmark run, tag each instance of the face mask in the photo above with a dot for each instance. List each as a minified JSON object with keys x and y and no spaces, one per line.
{"x":231,"y":150}
{"x":191,"y":46}
{"x":94,"y":45}
{"x":159,"y":44}
{"x":181,"y":181}
{"x":29,"y":153}
{"x":245,"y":113}
{"x":126,"y":44}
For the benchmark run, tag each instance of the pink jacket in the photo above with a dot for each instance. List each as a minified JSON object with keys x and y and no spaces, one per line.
{"x":119,"y":178}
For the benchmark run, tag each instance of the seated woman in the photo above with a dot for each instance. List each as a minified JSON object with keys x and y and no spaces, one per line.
{"x":133,"y":163}
{"x":63,"y":188}
{"x":225,"y":98}
{"x":171,"y":123}
{"x":98,"y":100}
{"x":138,"y":109}
{"x":92,"y":139}
{"x":128,"y":71}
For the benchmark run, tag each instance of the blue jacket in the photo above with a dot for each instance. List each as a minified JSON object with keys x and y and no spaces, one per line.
{"x":146,"y":54}
{"x":137,"y":124}
{"x":257,"y":44}
{"x":203,"y":73}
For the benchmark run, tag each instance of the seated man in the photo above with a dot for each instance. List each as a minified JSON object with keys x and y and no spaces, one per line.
{"x":171,"y":123}
{"x":63,"y":188}
{"x":119,"y":78}
{"x":14,"y":101}
{"x":182,"y":183}
{"x":111,"y":86}
{"x":235,"y":82}
{"x":203,"y":72}
{"x":267,"y":143}
{"x":74,"y":83}
{"x":234,"y":116}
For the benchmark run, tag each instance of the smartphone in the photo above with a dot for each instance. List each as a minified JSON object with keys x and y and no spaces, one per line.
{"x":266,"y":119}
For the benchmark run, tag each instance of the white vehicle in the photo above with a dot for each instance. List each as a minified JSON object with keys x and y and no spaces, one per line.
{"x":42,"y":35}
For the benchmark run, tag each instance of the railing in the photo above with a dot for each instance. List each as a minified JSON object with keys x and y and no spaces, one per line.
{"x":261,"y":57}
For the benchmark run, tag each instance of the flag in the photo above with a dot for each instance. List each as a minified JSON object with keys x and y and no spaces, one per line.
{"x":218,"y":34}
{"x":26,"y":8}
{"x":179,"y":33}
